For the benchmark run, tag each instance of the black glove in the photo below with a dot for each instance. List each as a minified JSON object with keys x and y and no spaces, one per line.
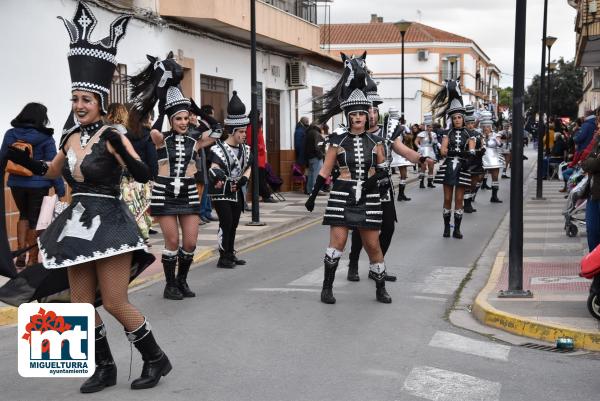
{"x":215,"y":175}
{"x":159,"y":122}
{"x":373,"y":182}
{"x":22,"y":158}
{"x":242,"y":181}
{"x":319,"y":183}
{"x":384,"y":186}
{"x":481,"y":152}
{"x":137,"y":168}
{"x":453,"y":153}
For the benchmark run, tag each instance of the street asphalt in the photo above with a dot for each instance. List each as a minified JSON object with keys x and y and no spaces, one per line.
{"x":260,"y":333}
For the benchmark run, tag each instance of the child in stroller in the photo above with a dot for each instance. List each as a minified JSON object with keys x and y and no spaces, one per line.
{"x":576,"y":202}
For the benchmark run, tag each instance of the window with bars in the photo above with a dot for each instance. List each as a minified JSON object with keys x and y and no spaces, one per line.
{"x":119,"y":90}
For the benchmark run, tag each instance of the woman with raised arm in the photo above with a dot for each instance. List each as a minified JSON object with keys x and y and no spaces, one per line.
{"x":96,"y":237}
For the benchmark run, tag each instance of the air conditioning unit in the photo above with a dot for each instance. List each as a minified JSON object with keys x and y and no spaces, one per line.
{"x":596,"y":80}
{"x":423,"y":55}
{"x":297,"y":74}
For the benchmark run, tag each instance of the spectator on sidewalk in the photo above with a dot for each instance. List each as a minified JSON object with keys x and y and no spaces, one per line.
{"x":584,"y":135}
{"x":313,"y":154}
{"x":299,"y":135}
{"x":30,"y":127}
{"x":591,"y":165}
{"x":263,"y":188}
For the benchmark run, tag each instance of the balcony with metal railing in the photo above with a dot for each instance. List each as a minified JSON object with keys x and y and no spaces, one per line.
{"x":285,"y":25}
{"x":587,"y":27}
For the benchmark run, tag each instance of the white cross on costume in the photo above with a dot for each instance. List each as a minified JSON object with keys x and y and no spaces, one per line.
{"x":177,"y":184}
{"x":84,"y":21}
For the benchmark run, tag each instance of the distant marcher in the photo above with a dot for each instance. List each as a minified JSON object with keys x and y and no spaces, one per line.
{"x":299,"y":134}
{"x":30,"y":127}
{"x":313,"y":154}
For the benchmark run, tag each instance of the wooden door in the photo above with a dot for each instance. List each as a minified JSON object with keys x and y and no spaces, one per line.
{"x":215,"y":91}
{"x":272,"y":134}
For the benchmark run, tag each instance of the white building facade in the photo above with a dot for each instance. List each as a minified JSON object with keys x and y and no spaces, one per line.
{"x":215,"y":64}
{"x":430,"y":57}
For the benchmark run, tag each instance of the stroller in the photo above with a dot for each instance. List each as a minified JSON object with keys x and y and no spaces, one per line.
{"x":274,"y":181}
{"x":576,"y":203}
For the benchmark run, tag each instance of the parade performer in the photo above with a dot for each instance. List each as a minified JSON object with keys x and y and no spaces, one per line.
{"x":492,"y":160}
{"x":96,"y":237}
{"x":475,"y":163}
{"x":391,"y":125}
{"x":230,"y":170}
{"x":506,"y":137}
{"x":175,"y":201}
{"x":458,"y":147}
{"x":391,"y":135}
{"x":425,"y":142}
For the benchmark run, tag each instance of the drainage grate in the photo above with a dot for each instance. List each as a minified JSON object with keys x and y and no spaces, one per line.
{"x":548,"y":348}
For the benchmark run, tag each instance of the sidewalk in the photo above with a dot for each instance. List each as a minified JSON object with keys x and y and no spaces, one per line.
{"x":551,"y":271}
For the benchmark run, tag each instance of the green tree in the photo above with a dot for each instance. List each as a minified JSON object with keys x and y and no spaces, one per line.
{"x":505,"y":96}
{"x":566,"y":84}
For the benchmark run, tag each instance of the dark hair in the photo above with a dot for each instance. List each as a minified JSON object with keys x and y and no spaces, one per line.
{"x":33,"y":114}
{"x":207,"y":109}
{"x":135,"y":127}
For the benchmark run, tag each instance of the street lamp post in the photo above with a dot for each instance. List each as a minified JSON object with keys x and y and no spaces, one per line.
{"x":541,"y":129}
{"x":551,"y":69}
{"x":402,"y":27}
{"x":515,"y":250}
{"x":452,"y":61}
{"x":549,"y":42}
{"x":254,"y":117}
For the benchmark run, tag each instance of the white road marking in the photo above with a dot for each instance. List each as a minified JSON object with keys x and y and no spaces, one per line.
{"x":315,"y":277}
{"x":426,"y":298}
{"x":444,"y":280}
{"x":443,"y":385}
{"x":454,"y":342}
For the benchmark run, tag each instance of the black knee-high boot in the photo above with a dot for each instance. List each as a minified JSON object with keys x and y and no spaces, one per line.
{"x":422,"y":182}
{"x":494,"y":198}
{"x":106,"y":370}
{"x":447,"y":214}
{"x":484,"y":184}
{"x":457,"y":221}
{"x":401,"y":195}
{"x":331,"y":265}
{"x":469,"y":203}
{"x":185,"y":262}
{"x":169,"y":261}
{"x":353,"y":270}
{"x":430,"y":182}
{"x":377,"y":273}
{"x":156,"y":363}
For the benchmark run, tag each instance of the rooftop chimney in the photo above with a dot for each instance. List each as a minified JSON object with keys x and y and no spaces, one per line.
{"x":373,"y":18}
{"x":379,"y":19}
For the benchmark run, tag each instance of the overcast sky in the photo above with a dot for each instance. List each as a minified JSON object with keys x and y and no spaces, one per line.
{"x":490,"y":23}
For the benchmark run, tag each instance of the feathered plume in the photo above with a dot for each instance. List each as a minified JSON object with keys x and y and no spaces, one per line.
{"x":443,"y":98}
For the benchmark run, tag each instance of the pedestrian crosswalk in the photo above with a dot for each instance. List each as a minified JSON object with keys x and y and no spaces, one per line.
{"x":436,"y":384}
{"x":455,"y":342}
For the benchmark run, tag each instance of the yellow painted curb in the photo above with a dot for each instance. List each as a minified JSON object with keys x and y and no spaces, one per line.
{"x":490,"y":316}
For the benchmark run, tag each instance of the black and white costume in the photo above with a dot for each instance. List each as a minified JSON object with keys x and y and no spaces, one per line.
{"x":428,"y":143}
{"x":455,"y":169}
{"x":355,"y":199}
{"x":475,"y":161}
{"x":97,"y":224}
{"x":233,"y":162}
{"x":349,"y":204}
{"x":174,"y":191}
{"x":493,"y":159}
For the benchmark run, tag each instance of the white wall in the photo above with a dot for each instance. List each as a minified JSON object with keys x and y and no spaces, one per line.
{"x":390,"y":90}
{"x":392,"y":64}
{"x":39,"y":71}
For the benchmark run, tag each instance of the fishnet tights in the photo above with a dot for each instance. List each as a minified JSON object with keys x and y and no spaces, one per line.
{"x":338,"y":235}
{"x":112,"y":276}
{"x":169,"y":225}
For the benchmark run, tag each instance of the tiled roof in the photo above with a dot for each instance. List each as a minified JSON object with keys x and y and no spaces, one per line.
{"x":385,"y":32}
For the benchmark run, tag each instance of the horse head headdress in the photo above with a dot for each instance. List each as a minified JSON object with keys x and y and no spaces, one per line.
{"x":152,"y":83}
